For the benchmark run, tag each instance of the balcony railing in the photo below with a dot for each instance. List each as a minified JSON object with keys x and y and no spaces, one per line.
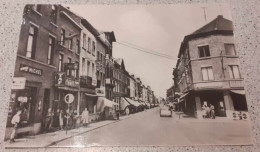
{"x":61,"y":80}
{"x":86,"y":82}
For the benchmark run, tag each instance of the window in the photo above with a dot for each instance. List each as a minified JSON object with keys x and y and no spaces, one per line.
{"x":88,"y":68}
{"x":230,"y":49}
{"x":84,"y":41}
{"x":93,"y":48}
{"x":98,"y":56}
{"x":68,"y":70}
{"x":207,"y":73}
{"x":78,"y":46}
{"x":83,"y":66}
{"x":76,"y":70}
{"x":93,"y":70}
{"x":60,"y":62}
{"x":204,"y":51}
{"x":31,"y":43}
{"x":70,"y":43}
{"x":37,"y":8}
{"x":89,"y":44}
{"x":234,"y":72}
{"x":53,"y":13}
{"x":50,"y":50}
{"x":62,"y":37}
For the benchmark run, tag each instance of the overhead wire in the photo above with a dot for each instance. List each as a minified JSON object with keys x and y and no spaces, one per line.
{"x":138,"y":48}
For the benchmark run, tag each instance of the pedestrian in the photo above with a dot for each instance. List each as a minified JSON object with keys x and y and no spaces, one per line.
{"x":212,"y":111}
{"x":61,"y":116}
{"x":117,"y":115}
{"x":56,"y":122}
{"x":74,"y":118}
{"x":84,"y":117}
{"x":15,"y":121}
{"x":48,"y":120}
{"x":207,"y":111}
{"x":204,"y":111}
{"x":127,"y":111}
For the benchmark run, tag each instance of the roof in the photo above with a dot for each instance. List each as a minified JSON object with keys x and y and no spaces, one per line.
{"x":218,"y":23}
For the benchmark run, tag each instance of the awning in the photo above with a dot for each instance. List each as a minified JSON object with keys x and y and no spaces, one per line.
{"x":103,"y":102}
{"x":91,"y":95}
{"x":132,"y":102}
{"x":242,"y":92}
{"x":183,"y":95}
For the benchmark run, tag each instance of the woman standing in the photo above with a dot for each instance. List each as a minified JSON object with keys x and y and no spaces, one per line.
{"x":61,"y":116}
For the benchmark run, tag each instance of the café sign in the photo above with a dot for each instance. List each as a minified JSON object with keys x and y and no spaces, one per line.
{"x":29,"y":69}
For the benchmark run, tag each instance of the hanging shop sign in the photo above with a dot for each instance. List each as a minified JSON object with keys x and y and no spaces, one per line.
{"x":60,"y":78}
{"x":29,"y":69}
{"x":18,"y":83}
{"x":69,"y":98}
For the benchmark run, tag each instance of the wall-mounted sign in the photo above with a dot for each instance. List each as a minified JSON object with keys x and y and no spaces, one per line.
{"x":29,"y":69}
{"x":18,"y":83}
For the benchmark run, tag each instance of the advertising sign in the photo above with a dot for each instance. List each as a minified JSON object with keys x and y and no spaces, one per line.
{"x":18,"y":83}
{"x":29,"y":69}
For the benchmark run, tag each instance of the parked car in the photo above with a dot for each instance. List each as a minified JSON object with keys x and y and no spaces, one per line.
{"x":165,"y":111}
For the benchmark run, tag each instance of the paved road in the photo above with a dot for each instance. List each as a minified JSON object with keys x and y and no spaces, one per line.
{"x":148,"y":128}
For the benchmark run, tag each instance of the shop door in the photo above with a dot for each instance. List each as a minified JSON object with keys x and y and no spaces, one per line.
{"x":46,"y":101}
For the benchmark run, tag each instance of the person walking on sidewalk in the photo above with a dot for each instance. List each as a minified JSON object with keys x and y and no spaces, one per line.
{"x":212,"y":111}
{"x":204,"y":111}
{"x":15,"y":121}
{"x":207,"y":112}
{"x":84,"y":117}
{"x":48,"y":120}
{"x":74,"y":118}
{"x":61,"y":116}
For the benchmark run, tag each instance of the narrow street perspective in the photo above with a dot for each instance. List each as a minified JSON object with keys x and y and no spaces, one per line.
{"x":127,"y":75}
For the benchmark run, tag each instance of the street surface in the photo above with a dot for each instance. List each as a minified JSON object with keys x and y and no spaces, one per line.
{"x":149,"y":129}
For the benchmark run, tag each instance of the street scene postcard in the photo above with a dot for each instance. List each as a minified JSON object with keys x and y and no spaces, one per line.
{"x":127,"y":75}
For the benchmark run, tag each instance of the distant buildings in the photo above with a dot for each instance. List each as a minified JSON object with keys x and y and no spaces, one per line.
{"x":207,"y":71}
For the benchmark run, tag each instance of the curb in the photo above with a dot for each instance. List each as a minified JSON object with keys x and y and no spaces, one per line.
{"x":55,"y":142}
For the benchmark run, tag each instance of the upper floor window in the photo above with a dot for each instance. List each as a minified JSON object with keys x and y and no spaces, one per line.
{"x":62,"y":37}
{"x":60,"y":62}
{"x":78,"y":46}
{"x":76,"y":74}
{"x":98,"y":56}
{"x":89,"y":44}
{"x":230,"y":49}
{"x":83,"y":66}
{"x":53,"y":13}
{"x":207,"y":73}
{"x":31,"y":43}
{"x":37,"y":8}
{"x":50,"y":50}
{"x":84,"y":41}
{"x":93,"y":48}
{"x":234,"y":72}
{"x":71,"y":43}
{"x":204,"y":51}
{"x":88,"y":68}
{"x":68,"y":70}
{"x":93,"y":70}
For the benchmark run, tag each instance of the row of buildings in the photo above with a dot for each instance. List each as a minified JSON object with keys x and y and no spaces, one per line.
{"x":208,"y":72}
{"x":61,"y":53}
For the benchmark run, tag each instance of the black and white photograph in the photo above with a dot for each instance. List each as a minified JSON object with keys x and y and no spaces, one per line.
{"x":127,"y":75}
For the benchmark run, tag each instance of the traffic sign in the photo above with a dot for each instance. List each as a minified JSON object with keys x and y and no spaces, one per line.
{"x":69,"y":98}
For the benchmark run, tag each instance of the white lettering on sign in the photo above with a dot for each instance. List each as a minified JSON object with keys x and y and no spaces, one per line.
{"x":22,"y":99}
{"x":29,"y":69}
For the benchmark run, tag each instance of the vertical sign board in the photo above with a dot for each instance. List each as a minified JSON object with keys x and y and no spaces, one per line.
{"x":69,"y":98}
{"x":18,"y":83}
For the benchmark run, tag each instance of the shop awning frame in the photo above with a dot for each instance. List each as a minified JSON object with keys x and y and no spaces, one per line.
{"x":241,"y":92}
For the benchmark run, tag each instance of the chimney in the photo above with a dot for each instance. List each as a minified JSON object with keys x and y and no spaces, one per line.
{"x":220,"y":16}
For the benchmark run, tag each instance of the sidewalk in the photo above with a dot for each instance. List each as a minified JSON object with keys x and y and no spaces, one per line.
{"x":48,"y":139}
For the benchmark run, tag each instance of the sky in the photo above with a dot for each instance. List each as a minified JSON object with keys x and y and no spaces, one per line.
{"x":160,"y":28}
